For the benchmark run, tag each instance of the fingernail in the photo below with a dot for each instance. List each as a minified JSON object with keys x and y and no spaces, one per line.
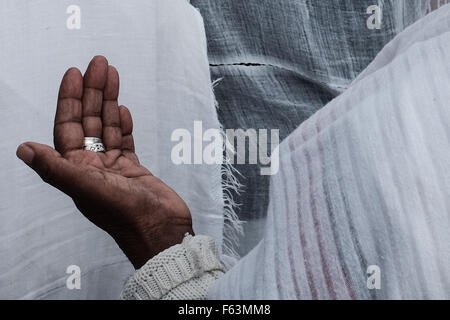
{"x":25,"y":153}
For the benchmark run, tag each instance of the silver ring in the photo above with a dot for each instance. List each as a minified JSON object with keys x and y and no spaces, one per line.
{"x":93,"y":144}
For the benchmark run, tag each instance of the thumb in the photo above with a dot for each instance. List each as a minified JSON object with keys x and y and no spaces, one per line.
{"x":48,"y":164}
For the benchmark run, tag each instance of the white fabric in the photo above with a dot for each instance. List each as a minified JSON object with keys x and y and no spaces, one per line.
{"x":159,"y":49}
{"x":182,"y":272}
{"x":364,"y":182}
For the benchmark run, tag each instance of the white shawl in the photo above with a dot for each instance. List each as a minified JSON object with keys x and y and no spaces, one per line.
{"x":159,"y":49}
{"x":361,"y":205}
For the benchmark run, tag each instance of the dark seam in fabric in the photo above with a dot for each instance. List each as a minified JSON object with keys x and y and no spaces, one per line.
{"x":247,"y":64}
{"x":333,"y":91}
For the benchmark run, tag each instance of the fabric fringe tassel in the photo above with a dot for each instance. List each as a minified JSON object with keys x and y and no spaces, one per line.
{"x":232,"y":228}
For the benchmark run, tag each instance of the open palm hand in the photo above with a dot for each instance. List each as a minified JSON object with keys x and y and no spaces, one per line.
{"x":110,"y":188}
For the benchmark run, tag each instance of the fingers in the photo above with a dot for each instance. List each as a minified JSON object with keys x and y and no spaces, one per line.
{"x":68,"y":131}
{"x":126,"y":124}
{"x":88,"y":108}
{"x":94,"y":83}
{"x":57,"y":171}
{"x":112,"y":134}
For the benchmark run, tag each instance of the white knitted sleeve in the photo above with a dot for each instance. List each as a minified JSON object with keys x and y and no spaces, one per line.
{"x":182,"y":272}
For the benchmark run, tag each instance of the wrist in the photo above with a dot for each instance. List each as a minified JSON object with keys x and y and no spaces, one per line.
{"x":141,"y":243}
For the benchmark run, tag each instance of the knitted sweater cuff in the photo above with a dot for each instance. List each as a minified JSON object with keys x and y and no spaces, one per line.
{"x":184,"y":271}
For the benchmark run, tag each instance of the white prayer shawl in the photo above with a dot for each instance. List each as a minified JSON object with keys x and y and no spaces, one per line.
{"x":159,"y":49}
{"x":360,"y":208}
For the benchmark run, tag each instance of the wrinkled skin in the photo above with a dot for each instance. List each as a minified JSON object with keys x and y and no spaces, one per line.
{"x":111,"y":189}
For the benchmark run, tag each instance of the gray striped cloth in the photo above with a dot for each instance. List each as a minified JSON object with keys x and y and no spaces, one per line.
{"x":282,"y":60}
{"x":360,"y":208}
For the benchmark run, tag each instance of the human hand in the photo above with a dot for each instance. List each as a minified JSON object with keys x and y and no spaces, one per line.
{"x":111,"y":189}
